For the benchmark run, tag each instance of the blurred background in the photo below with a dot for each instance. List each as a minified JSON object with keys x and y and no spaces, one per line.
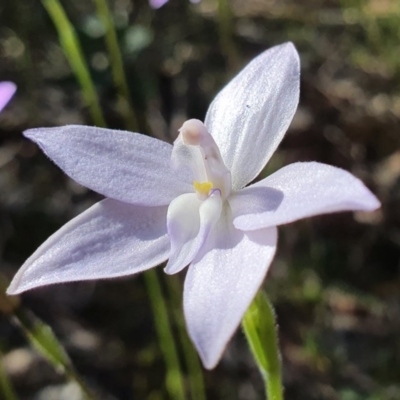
{"x":335,"y":281}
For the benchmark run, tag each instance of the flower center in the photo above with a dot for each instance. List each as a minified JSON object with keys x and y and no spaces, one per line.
{"x":203,"y":189}
{"x":195,"y":148}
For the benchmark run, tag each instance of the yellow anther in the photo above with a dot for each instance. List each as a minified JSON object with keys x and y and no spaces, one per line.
{"x":203,"y":188}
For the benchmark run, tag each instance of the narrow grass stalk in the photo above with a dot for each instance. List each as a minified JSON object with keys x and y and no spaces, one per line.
{"x":41,"y":337}
{"x":226,"y":28}
{"x":259,"y":325}
{"x":73,"y":51}
{"x":6,"y":389}
{"x":45,"y":342}
{"x":117,"y":65}
{"x":196,"y":380}
{"x":174,"y":378}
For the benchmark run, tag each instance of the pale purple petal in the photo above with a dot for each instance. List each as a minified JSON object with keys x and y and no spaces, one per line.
{"x":157,"y":3}
{"x":222,"y":282}
{"x":189,"y":223}
{"x":297,"y":191}
{"x":250,"y":116}
{"x":108,"y":240}
{"x":125,"y":166}
{"x":7,"y":90}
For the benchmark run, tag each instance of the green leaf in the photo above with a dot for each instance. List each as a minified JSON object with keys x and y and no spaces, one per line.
{"x":42,"y":337}
{"x":259,"y":325}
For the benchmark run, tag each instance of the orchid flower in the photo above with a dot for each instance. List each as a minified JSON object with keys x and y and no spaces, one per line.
{"x":7,"y":90}
{"x":189,"y":203}
{"x":160,"y":3}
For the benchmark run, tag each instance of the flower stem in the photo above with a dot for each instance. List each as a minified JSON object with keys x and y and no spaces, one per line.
{"x":259,"y":325}
{"x":70,"y":44}
{"x":193,"y":365}
{"x":174,"y":378}
{"x":226,"y":30}
{"x":117,"y":66}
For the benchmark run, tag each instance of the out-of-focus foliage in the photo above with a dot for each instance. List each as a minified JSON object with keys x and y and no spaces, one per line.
{"x":335,"y":281}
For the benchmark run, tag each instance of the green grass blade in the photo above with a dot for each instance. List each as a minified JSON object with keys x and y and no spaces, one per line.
{"x":72,"y":49}
{"x":42,"y":339}
{"x":196,"y":379}
{"x":117,"y":65}
{"x":174,"y":378}
{"x":225,"y":30}
{"x":40,"y":336}
{"x":45,"y":342}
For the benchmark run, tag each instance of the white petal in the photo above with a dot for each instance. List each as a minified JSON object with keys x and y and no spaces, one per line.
{"x":250,"y":116}
{"x":297,"y":191}
{"x":125,"y":166}
{"x":222,"y":282}
{"x":108,"y":240}
{"x":189,"y":224}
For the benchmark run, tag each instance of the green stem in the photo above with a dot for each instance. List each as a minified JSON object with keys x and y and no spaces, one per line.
{"x":6,"y":388}
{"x":174,"y":378}
{"x":117,"y":65}
{"x":193,"y":365}
{"x":259,"y":325}
{"x":225,"y":27}
{"x":70,"y":43}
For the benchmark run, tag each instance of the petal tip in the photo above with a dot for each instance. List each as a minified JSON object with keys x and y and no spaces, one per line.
{"x":9,"y":84}
{"x":209,"y":359}
{"x":7,"y":91}
{"x":18,"y":284}
{"x":27,"y":133}
{"x":31,"y":134}
{"x":13,"y":289}
{"x":168,"y":270}
{"x":34,"y":133}
{"x":289,"y":45}
{"x":372,"y":203}
{"x":291,"y":49}
{"x":210,"y":363}
{"x":157,"y":3}
{"x":8,"y":88}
